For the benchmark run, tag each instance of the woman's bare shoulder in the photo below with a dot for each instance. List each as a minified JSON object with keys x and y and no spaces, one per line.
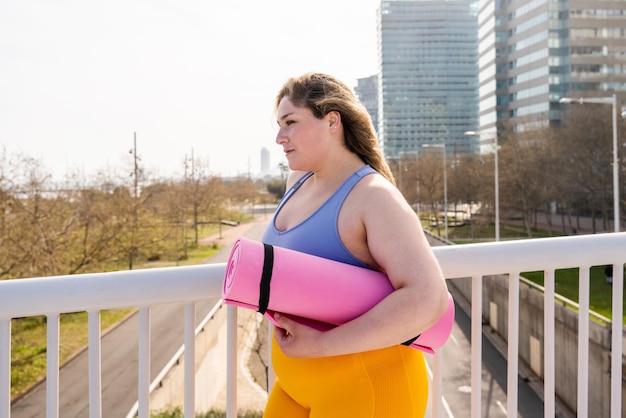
{"x":377,"y":189}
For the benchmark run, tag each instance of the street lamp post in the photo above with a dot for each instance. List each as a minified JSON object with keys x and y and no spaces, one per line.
{"x":612,"y":101}
{"x":445,"y":186}
{"x":496,"y":182}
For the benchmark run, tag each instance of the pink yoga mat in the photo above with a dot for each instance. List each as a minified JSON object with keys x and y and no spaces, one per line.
{"x":315,"y":291}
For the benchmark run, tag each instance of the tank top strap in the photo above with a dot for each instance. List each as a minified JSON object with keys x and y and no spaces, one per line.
{"x":292,"y":190}
{"x":350,"y":182}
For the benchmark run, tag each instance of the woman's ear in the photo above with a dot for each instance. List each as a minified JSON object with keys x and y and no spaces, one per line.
{"x":334,"y":120}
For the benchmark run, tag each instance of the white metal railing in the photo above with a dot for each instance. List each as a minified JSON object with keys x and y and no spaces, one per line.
{"x":92,"y":293}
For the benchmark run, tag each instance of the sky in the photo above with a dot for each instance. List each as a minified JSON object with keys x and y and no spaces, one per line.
{"x":80,"y":78}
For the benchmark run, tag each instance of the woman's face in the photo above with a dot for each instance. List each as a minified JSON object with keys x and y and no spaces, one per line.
{"x":304,"y":137}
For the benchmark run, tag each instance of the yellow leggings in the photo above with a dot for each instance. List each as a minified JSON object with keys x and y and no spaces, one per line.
{"x":387,"y":383}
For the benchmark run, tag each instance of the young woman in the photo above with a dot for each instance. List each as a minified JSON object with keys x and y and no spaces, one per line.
{"x":342,"y":204}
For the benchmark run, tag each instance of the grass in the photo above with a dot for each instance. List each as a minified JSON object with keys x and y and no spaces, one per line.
{"x":566,"y":284}
{"x":468,"y":234}
{"x":28,"y":335}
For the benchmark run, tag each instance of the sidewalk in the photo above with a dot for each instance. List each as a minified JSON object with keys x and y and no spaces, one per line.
{"x":230,"y":234}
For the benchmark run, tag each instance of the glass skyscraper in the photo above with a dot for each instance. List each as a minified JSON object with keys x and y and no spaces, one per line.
{"x":428,"y":84}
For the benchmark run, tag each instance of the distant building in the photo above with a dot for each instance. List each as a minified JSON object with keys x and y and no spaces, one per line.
{"x":367,"y":92}
{"x":265,"y":161}
{"x":428,"y":80}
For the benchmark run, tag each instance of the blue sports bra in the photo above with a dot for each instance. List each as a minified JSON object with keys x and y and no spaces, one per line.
{"x":318,"y":234}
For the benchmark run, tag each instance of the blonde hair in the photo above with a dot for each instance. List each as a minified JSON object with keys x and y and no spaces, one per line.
{"x":322,"y":93}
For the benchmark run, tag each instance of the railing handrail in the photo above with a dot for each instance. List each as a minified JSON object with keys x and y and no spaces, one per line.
{"x":92,"y":292}
{"x":506,"y":256}
{"x":155,"y":286}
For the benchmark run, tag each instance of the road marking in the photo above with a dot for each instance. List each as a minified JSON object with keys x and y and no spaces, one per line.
{"x":502,"y":408}
{"x":465,"y":389}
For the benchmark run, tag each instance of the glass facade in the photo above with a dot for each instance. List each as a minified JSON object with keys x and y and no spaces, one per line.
{"x":428,"y":84}
{"x":546,"y":50}
{"x":367,"y":92}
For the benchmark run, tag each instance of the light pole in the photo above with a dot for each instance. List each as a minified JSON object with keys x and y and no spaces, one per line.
{"x":496,"y":181}
{"x":612,"y":101}
{"x":445,"y":185}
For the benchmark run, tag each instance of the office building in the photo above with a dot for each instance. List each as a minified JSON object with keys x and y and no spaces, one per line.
{"x":265,"y":161}
{"x":367,"y":92}
{"x":428,"y":85}
{"x":532,"y":53}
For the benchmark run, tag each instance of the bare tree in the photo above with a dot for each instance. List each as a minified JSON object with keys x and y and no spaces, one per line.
{"x":585,"y":156}
{"x":429,"y":173}
{"x":521,"y":177}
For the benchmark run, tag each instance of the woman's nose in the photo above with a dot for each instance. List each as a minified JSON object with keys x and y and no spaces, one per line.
{"x":280,"y":137}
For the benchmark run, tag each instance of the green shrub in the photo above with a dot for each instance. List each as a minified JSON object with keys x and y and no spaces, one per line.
{"x":177,"y":412}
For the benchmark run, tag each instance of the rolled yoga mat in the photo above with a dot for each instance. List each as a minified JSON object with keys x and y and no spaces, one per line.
{"x":314,"y":291}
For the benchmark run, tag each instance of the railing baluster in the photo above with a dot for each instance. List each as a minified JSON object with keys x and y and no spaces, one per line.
{"x":95,"y":369}
{"x":231,"y":361}
{"x":513,"y":345}
{"x":52,"y":366}
{"x":437,"y":393}
{"x":548,"y":345}
{"x":190,"y":360}
{"x":616,"y":341}
{"x":583,"y":342}
{"x":144,"y":363}
{"x":476,"y":345}
{"x":5,"y":367}
{"x":271,"y":376}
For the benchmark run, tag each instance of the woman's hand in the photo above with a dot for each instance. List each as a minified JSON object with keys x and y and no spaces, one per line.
{"x":297,"y":340}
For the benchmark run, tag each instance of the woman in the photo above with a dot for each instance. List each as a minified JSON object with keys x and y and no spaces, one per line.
{"x":342,"y":204}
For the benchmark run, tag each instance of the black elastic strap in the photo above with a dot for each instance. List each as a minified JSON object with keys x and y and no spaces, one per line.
{"x":266,"y":278}
{"x":409,"y":342}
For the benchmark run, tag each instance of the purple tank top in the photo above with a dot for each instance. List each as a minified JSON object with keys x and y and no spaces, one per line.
{"x":318,"y":234}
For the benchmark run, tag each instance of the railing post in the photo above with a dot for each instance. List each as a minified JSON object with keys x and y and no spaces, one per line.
{"x":513,"y":345}
{"x":52,"y":365}
{"x":5,"y":367}
{"x":549,"y":384}
{"x":271,"y":377}
{"x":190,"y":360}
{"x":583,"y":343}
{"x":616,"y":341}
{"x":476,"y":345}
{"x":143,"y":371}
{"x":437,"y":393}
{"x":231,"y":361}
{"x":95,"y":368}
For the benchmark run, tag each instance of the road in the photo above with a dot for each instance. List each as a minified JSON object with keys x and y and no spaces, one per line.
{"x":120,"y":353}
